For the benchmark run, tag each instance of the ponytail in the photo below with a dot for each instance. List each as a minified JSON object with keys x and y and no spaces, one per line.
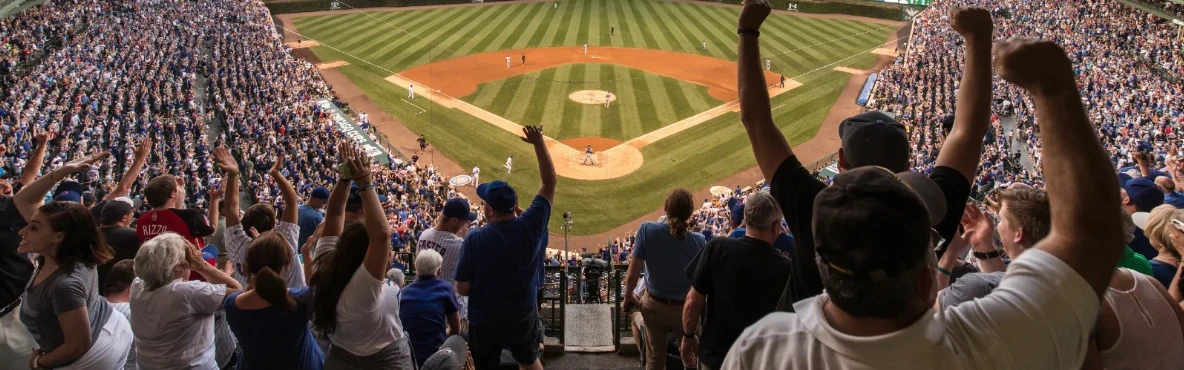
{"x":678,"y":227}
{"x":272,"y":288}
{"x":679,"y":207}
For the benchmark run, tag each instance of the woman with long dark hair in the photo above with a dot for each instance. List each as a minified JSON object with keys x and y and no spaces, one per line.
{"x":73,"y":324}
{"x":352,"y":305}
{"x":269,"y":319}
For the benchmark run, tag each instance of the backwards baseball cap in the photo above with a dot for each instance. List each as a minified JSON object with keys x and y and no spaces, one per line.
{"x":874,"y":224}
{"x":116,"y":210}
{"x":321,"y":193}
{"x":453,"y":355}
{"x":1142,"y":192}
{"x":459,"y":208}
{"x":875,"y":139}
{"x":69,"y":191}
{"x":498,"y":195}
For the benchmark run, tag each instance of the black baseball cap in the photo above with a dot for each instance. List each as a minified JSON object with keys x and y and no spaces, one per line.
{"x":116,"y":210}
{"x":875,"y":139}
{"x":498,"y":195}
{"x":459,"y":208}
{"x":874,"y":224}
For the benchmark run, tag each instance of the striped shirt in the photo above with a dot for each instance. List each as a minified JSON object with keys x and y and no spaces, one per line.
{"x":126,"y":309}
{"x":449,"y":246}
{"x":237,"y":240}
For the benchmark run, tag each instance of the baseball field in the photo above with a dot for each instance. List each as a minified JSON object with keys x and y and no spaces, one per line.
{"x":667,"y":68}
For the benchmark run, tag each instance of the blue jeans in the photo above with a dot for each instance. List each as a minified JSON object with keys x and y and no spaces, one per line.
{"x":519,"y":334}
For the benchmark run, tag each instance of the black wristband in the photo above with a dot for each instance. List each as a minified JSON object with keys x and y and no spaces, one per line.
{"x":987,"y":256}
{"x":749,"y":31}
{"x":689,"y":335}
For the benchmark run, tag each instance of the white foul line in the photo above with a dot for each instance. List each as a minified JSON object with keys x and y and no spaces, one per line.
{"x":421,"y":110}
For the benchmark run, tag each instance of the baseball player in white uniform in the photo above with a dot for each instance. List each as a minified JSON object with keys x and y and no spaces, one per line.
{"x":509,"y":163}
{"x":589,"y":158}
{"x":607,"y":96}
{"x":768,"y":64}
{"x":507,"y":61}
{"x":476,"y":175}
{"x":585,"y":49}
{"x":704,"y":44}
{"x":411,"y":92}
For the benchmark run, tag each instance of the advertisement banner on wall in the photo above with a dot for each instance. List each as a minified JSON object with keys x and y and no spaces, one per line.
{"x":350,"y":129}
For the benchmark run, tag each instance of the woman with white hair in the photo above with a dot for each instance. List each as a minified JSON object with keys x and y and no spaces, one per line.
{"x":174,"y":318}
{"x":426,"y":305}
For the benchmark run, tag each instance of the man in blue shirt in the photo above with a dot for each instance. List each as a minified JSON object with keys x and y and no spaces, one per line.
{"x":427,"y":307}
{"x":498,"y":258}
{"x":310,"y":215}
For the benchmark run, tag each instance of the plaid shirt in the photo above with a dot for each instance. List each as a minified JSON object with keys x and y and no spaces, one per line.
{"x":236,"y":242}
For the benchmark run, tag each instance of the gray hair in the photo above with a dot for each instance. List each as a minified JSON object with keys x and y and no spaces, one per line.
{"x":1128,"y":226}
{"x":427,"y":262}
{"x":158,"y":258}
{"x":396,"y":275}
{"x":761,"y":211}
{"x":864,"y":298}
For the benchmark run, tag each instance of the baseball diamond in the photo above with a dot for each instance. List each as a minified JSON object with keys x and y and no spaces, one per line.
{"x":672,"y":112}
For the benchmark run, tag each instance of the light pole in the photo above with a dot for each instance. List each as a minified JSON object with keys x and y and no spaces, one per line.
{"x":567,"y":222}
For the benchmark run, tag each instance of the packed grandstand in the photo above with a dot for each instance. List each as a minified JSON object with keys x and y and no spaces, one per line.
{"x":148,"y":112}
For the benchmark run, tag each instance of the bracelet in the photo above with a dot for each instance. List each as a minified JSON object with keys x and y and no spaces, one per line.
{"x":689,"y":334}
{"x":369,"y":186}
{"x":987,"y":256}
{"x":748,"y":31}
{"x":944,"y":271}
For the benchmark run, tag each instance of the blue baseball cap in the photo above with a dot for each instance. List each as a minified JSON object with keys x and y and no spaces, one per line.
{"x":737,"y":214}
{"x":459,"y":208}
{"x":1143,"y":193}
{"x":498,"y":195}
{"x":68,"y":191}
{"x":321,"y":193}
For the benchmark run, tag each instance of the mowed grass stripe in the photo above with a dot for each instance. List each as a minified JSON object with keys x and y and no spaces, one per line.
{"x":627,"y":104}
{"x":611,"y":121}
{"x":613,"y":19}
{"x":590,"y":119}
{"x":521,"y":23}
{"x":721,"y":21}
{"x":504,"y":96}
{"x":597,"y":31}
{"x":571,"y":28}
{"x":477,"y":41}
{"x":676,"y":35}
{"x":717,"y":45}
{"x":373,"y":29}
{"x":453,"y":45}
{"x":639,"y":26}
{"x":678,"y":100}
{"x":398,"y":42}
{"x":324,"y":22}
{"x":523,"y":97}
{"x":585,"y":23}
{"x":542,"y":95}
{"x":552,"y":112}
{"x":575,"y":112}
{"x":424,"y":50}
{"x":648,"y":112}
{"x":494,"y":29}
{"x":627,"y":28}
{"x":543,"y":22}
{"x":558,"y":29}
{"x":666,"y":40}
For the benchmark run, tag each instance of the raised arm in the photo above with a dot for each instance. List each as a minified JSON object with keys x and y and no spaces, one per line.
{"x":963,"y":148}
{"x":33,"y":195}
{"x":212,"y":274}
{"x":225,"y":162}
{"x":133,"y":172}
{"x":33,"y":166}
{"x":1080,"y":180}
{"x":335,"y":210}
{"x":768,"y":144}
{"x":378,"y":229}
{"x":215,"y":200}
{"x":289,"y":192}
{"x":534,"y":136}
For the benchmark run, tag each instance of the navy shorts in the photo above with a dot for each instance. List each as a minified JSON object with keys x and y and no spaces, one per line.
{"x":519,"y":334}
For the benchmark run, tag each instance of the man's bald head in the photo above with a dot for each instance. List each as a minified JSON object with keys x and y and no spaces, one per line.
{"x":1166,"y":184}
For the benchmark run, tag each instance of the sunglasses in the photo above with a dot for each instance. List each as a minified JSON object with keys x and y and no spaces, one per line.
{"x":1178,"y":224}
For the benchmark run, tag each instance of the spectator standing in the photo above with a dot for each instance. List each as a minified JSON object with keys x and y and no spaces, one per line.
{"x":663,"y":250}
{"x":737,"y":280}
{"x":879,"y":295}
{"x":1140,"y":326}
{"x":174,"y":318}
{"x":119,"y":287}
{"x":1140,"y":195}
{"x":1158,"y":227}
{"x":428,"y":306}
{"x":116,"y":216}
{"x":446,"y":238}
{"x":783,"y":244}
{"x":260,"y":218}
{"x":310,"y":214}
{"x":352,"y":304}
{"x":166,"y":195}
{"x":498,"y":258}
{"x":270,"y":320}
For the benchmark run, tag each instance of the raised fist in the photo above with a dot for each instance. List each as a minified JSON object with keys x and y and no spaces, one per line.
{"x":1039,"y":66}
{"x":972,"y":23}
{"x":754,"y":14}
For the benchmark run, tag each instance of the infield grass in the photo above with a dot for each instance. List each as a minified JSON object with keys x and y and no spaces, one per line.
{"x":380,"y":43}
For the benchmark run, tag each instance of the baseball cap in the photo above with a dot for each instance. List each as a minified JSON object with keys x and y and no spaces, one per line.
{"x":875,"y":139}
{"x":116,"y":209}
{"x":321,"y":193}
{"x":459,"y":208}
{"x":69,"y":191}
{"x":874,"y":224}
{"x":453,"y":355}
{"x":498,"y":195}
{"x":1143,"y":193}
{"x":737,"y":214}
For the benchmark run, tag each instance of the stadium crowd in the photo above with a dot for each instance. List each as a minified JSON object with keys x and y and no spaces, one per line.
{"x":139,"y":110}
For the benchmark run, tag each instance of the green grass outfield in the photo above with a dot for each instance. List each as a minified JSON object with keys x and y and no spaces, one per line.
{"x":805,"y":49}
{"x":645,"y":101}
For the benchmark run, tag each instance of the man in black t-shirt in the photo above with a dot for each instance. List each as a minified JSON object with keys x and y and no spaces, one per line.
{"x":868,"y":139}
{"x":742,"y":276}
{"x":117,"y":214}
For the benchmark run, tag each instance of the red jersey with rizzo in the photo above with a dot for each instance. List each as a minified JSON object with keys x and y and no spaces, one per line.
{"x":191,"y":224}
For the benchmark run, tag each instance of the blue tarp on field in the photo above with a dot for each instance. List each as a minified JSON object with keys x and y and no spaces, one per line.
{"x":866,"y":93}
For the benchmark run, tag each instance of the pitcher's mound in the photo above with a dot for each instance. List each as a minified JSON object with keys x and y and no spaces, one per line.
{"x":591,"y":96}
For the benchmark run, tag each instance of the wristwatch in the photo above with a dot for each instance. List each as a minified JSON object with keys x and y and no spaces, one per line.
{"x":987,"y":256}
{"x":689,"y":335}
{"x":750,"y":31}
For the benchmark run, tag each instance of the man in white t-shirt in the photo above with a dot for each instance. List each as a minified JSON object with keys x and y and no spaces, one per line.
{"x":874,"y":251}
